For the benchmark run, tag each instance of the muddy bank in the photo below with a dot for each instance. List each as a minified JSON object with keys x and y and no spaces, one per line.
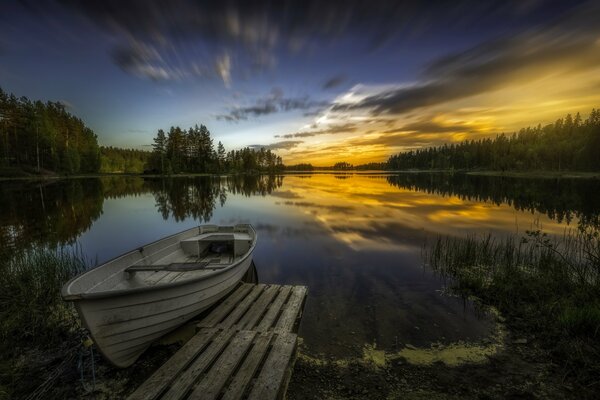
{"x":519,"y":371}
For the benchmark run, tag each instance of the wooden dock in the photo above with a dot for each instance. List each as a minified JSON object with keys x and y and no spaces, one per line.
{"x":244,"y":349}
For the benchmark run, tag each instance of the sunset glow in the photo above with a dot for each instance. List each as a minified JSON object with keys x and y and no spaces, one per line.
{"x":387,"y":77}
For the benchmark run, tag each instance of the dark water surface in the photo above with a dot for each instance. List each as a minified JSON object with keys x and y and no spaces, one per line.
{"x":354,"y":240}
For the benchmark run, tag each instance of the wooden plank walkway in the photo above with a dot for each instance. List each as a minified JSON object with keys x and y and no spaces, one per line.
{"x":244,"y":349}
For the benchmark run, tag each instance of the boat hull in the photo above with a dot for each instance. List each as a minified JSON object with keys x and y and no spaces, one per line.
{"x":123,"y":327}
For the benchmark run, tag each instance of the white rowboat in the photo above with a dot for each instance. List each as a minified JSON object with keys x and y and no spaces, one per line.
{"x":136,"y":298}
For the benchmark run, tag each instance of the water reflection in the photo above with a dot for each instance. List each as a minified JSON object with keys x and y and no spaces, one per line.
{"x":48,"y":213}
{"x":559,"y":199}
{"x":57,"y":212}
{"x":355,"y":242}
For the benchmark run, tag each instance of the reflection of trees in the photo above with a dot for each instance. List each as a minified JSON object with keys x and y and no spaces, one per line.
{"x":197,"y":196}
{"x":49,"y":213}
{"x":560,"y":199}
{"x":186,"y":197}
{"x":57,"y":212}
{"x":115,"y":187}
{"x":253,"y":185}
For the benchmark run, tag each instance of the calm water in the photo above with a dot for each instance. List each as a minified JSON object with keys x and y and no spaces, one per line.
{"x":354,"y":240}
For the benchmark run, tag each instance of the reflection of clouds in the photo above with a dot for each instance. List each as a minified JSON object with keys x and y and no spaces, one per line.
{"x":356,"y":243}
{"x":288,"y":232}
{"x":367,"y":213}
{"x":285,"y":194}
{"x":308,"y":204}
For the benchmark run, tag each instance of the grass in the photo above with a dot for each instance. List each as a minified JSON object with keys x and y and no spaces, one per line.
{"x":34,"y":320}
{"x":540,"y":174}
{"x":31,"y":308}
{"x":548,"y":288}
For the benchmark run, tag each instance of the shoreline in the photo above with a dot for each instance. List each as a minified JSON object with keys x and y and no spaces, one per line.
{"x":507,"y":174}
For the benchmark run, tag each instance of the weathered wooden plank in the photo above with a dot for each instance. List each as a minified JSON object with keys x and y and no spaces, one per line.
{"x":292,"y":309}
{"x":273,"y":375}
{"x":238,"y":386}
{"x":186,"y":380}
{"x":167,"y":373}
{"x":212,"y":383}
{"x":242,"y":307}
{"x":268,"y":319}
{"x":225,"y":307}
{"x":205,"y":365}
{"x":257,"y":309}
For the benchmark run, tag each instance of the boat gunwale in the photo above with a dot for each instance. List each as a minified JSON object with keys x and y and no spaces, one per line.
{"x":123,"y":292}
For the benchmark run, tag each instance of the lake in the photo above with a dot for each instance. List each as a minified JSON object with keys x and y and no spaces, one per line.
{"x":356,"y":240}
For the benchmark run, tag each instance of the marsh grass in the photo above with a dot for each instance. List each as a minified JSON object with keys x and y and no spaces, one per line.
{"x":547,"y":287}
{"x":37,"y":328}
{"x":32,"y":311}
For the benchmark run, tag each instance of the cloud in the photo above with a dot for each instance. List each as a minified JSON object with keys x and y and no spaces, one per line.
{"x":567,"y":46}
{"x":430,"y":126}
{"x":346,"y":128}
{"x":273,"y":103}
{"x":144,"y":61}
{"x":283,"y":145}
{"x":184,"y":34}
{"x":223,"y":68}
{"x":334,"y":82}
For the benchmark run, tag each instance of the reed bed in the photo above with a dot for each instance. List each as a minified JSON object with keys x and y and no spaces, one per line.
{"x":548,"y":288}
{"x":32,"y":311}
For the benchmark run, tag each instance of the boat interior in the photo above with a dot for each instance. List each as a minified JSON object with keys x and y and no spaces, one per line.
{"x":190,"y":258}
{"x":188,"y":255}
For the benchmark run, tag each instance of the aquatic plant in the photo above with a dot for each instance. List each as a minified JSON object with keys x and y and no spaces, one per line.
{"x":31,"y":308}
{"x":548,"y":287}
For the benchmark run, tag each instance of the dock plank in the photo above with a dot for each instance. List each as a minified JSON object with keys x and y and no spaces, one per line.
{"x":186,"y":380}
{"x":257,"y":309}
{"x":166,"y":374}
{"x":271,"y":315}
{"x":242,"y":379}
{"x":274,"y":373}
{"x":219,"y":313}
{"x":212,"y":383}
{"x":244,"y":348}
{"x":242,"y":306}
{"x":292,"y":309}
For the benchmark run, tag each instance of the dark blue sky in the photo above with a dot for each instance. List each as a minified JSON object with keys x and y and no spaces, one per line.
{"x":313,"y":80}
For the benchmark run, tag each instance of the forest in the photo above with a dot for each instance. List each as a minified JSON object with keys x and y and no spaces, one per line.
{"x":568,"y":144}
{"x":44,"y":138}
{"x":128,"y":161}
{"x":193,"y":151}
{"x":37,"y":136}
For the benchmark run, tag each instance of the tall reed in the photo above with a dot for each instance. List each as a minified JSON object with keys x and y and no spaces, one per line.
{"x":547,"y":286}
{"x":31,"y":308}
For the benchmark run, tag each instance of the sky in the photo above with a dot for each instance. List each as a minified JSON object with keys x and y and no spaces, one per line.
{"x":315,"y":81}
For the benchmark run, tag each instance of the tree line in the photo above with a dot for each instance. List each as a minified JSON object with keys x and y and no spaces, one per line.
{"x":40,"y":136}
{"x":570,"y":143}
{"x":129,"y":161}
{"x":193,"y":151}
